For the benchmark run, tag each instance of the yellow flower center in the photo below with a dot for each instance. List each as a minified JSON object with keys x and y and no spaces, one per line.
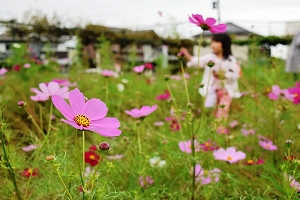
{"x":268,"y":90}
{"x":82,"y":120}
{"x":296,"y":95}
{"x":229,"y":158}
{"x":268,"y":146}
{"x":29,"y":171}
{"x":207,"y":144}
{"x":250,"y":162}
{"x":92,"y":157}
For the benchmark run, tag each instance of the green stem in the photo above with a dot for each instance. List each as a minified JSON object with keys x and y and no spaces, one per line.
{"x":41,"y":116}
{"x":78,"y":161}
{"x":38,"y":153}
{"x":34,"y":123}
{"x":10,"y":169}
{"x":95,"y":172}
{"x":184,"y":82}
{"x":139,"y":139}
{"x":106,"y":91}
{"x":83,"y":163}
{"x":61,"y":180}
{"x":50,"y":119}
{"x":203,"y":103}
{"x":176,"y":108}
{"x":199,"y":47}
{"x":194,"y":167}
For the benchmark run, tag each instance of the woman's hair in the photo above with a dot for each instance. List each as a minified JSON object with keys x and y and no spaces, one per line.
{"x":226,"y":43}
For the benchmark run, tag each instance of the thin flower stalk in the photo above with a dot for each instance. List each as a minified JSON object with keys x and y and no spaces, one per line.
{"x":9,"y":168}
{"x":61,"y":180}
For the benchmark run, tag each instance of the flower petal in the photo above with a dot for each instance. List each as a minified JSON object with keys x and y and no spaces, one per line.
{"x":72,"y":123}
{"x":95,"y":109}
{"x":77,"y":101}
{"x":107,"y":127}
{"x":210,"y":21}
{"x":53,"y":88}
{"x":199,"y":19}
{"x":63,"y":107}
{"x":44,"y":88}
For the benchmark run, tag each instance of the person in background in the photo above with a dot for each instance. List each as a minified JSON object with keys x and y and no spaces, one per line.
{"x":90,"y":52}
{"x":224,"y":75}
{"x":293,"y":61}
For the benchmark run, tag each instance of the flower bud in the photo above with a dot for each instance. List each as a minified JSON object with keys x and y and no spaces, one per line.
{"x":210,"y":63}
{"x":21,"y":103}
{"x":167,"y":77}
{"x":50,"y":158}
{"x":288,"y":143}
{"x":104,"y":146}
{"x":180,"y":56}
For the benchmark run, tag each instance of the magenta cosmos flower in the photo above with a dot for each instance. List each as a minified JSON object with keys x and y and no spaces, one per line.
{"x":296,"y":94}
{"x":139,"y":69}
{"x":48,"y":90}
{"x":142,"y":112}
{"x":164,"y":96}
{"x":230,"y":155}
{"x":186,"y":146}
{"x":208,"y":24}
{"x":268,"y":145}
{"x":88,"y":115}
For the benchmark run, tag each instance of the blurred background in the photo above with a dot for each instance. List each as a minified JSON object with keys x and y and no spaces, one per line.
{"x":152,"y":25}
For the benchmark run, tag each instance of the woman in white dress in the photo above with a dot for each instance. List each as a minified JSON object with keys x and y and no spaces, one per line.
{"x":223,"y":81}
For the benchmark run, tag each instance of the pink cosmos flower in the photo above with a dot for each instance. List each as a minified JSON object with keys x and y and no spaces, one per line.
{"x":268,"y":145}
{"x":146,"y":181}
{"x":29,"y":148}
{"x":176,"y":77}
{"x":288,"y":95}
{"x":248,"y":132}
{"x":159,"y":123}
{"x":164,"y":96}
{"x":209,"y":146}
{"x":26,"y":65}
{"x":107,"y":73}
{"x":233,"y":124}
{"x":296,"y":93}
{"x":64,"y":82}
{"x":142,"y":112}
{"x":88,"y":115}
{"x":207,"y":177}
{"x":186,"y":146}
{"x":3,"y":71}
{"x":222,"y":130}
{"x":230,"y":155}
{"x":139,"y":69}
{"x":48,"y":90}
{"x":275,"y":93}
{"x":294,"y":184}
{"x":208,"y":24}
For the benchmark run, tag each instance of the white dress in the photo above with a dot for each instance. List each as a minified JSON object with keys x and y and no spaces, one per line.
{"x":232,"y":74}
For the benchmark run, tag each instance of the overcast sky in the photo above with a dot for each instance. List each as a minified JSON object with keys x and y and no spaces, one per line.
{"x":261,"y":16}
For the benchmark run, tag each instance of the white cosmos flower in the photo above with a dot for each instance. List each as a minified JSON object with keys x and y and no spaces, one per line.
{"x":157,"y":162}
{"x":120,"y":87}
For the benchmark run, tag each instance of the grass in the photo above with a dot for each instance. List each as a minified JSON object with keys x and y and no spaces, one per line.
{"x":119,"y":179}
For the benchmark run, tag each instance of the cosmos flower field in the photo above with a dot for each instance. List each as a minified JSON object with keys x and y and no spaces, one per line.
{"x":135,"y":134}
